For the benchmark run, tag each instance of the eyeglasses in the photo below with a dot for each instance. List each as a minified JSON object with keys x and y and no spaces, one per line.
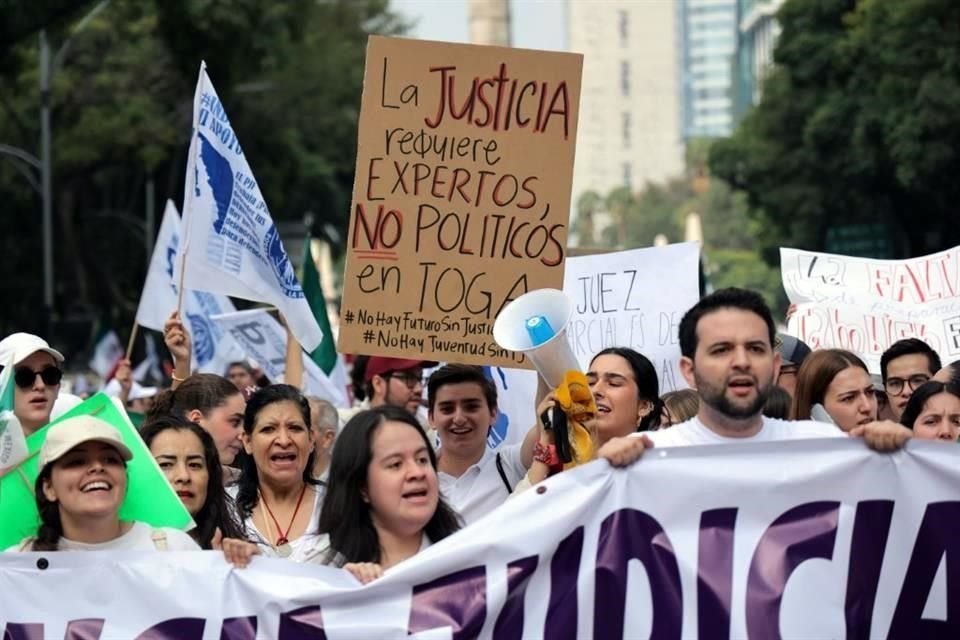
{"x":894,"y":386}
{"x":787,"y":370}
{"x":24,"y":377}
{"x":409,"y":379}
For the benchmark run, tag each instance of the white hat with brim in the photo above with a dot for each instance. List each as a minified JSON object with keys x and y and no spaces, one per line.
{"x":17,"y":347}
{"x":64,"y":436}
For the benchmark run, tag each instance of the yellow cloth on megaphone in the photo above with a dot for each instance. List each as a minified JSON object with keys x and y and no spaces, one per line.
{"x":576,"y":400}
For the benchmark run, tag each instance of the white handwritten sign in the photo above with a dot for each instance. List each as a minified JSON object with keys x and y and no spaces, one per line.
{"x":865,"y":305}
{"x":633,"y":299}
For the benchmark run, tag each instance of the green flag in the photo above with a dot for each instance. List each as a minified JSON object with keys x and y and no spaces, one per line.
{"x":325,"y":355}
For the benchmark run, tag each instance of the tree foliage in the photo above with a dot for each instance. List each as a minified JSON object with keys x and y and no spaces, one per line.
{"x":859,"y":123}
{"x":289,"y":74}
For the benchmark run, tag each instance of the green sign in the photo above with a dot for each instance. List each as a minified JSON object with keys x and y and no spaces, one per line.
{"x":150,"y":498}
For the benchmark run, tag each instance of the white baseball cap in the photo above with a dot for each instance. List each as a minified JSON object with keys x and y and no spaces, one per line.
{"x":64,"y":436}
{"x":20,"y":346}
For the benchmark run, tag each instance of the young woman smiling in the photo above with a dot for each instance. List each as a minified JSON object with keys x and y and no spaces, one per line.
{"x":81,"y":485}
{"x":189,"y":459}
{"x":277,"y":498}
{"x":383,"y":504}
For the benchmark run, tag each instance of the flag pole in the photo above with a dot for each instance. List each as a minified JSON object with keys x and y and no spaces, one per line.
{"x":183,"y":270}
{"x":133,"y":336}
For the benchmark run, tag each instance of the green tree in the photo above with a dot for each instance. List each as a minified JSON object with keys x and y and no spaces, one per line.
{"x":859,"y":123}
{"x":290,"y":75}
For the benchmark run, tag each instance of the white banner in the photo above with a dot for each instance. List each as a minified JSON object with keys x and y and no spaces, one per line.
{"x":839,"y":542}
{"x":634,"y":299}
{"x":265,"y":341}
{"x":230,"y":242}
{"x":213,"y":349}
{"x":865,"y":305}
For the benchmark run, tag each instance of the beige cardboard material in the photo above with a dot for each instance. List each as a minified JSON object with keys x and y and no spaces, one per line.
{"x":462,"y":195}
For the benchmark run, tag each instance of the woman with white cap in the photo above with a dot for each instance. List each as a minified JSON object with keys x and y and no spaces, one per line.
{"x":81,"y":485}
{"x":37,"y":375}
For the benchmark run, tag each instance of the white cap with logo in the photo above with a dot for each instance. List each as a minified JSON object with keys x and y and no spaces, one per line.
{"x":20,"y":346}
{"x":64,"y":436}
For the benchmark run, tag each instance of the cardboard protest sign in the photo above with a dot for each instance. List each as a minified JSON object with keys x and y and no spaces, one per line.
{"x":865,"y":305}
{"x":634,"y":299}
{"x":150,"y":498}
{"x":462,"y":195}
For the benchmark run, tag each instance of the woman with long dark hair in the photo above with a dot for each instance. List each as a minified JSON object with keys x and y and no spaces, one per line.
{"x":189,"y":459}
{"x":383,"y":504}
{"x":81,"y":485}
{"x":277,"y":499}
{"x":833,"y":385}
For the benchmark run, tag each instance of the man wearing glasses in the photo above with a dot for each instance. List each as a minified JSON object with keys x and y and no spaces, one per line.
{"x":396,"y":382}
{"x":37,"y":375}
{"x":905,"y":366}
{"x":793,"y":352}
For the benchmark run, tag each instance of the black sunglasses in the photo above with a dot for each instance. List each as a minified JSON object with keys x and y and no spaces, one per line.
{"x":24,"y":377}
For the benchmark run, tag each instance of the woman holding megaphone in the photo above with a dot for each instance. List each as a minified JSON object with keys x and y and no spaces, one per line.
{"x":622,"y":396}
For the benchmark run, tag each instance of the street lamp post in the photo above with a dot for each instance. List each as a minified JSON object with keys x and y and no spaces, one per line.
{"x":45,"y":177}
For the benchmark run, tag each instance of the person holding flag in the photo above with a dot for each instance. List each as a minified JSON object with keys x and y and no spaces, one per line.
{"x":230,"y":244}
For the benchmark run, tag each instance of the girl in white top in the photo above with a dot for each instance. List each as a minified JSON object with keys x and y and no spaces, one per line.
{"x":277,"y":499}
{"x":81,"y":485}
{"x":383,"y":503}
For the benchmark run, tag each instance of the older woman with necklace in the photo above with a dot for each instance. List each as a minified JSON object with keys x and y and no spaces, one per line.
{"x":277,"y":499}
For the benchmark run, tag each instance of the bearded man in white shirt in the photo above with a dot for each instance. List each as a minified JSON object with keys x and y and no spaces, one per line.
{"x":726,"y":342}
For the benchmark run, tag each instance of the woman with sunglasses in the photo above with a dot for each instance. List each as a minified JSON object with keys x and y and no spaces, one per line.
{"x":36,"y":377}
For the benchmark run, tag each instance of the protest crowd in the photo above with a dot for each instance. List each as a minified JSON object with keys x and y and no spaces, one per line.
{"x":271,"y":457}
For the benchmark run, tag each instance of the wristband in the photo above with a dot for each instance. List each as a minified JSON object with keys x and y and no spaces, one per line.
{"x":547,"y":455}
{"x":173,"y":376}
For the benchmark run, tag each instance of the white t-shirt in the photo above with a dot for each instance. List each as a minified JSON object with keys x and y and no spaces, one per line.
{"x":140,"y":537}
{"x":300,"y":548}
{"x":321,"y":555}
{"x":693,"y":432}
{"x":480,"y":489}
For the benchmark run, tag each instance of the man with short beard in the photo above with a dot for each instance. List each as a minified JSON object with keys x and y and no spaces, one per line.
{"x":726,"y":342}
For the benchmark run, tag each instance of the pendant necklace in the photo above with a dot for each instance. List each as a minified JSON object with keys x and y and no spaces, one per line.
{"x":282,"y":545}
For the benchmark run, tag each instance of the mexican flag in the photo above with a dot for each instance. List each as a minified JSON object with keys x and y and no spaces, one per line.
{"x":325,"y":355}
{"x":13,"y":445}
{"x":107,"y":352}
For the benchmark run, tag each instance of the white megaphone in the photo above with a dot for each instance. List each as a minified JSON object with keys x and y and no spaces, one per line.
{"x":535,"y":324}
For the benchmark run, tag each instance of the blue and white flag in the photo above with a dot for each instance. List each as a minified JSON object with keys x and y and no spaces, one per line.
{"x":231,"y":245}
{"x":265,"y":340}
{"x":213,"y":349}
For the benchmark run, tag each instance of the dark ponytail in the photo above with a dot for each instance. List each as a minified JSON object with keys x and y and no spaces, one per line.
{"x":51,"y":529}
{"x":201,"y":391}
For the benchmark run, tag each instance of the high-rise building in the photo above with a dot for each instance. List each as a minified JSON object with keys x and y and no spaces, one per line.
{"x":490,"y":22}
{"x":629,"y":132}
{"x":758,"y":32}
{"x":708,"y":42}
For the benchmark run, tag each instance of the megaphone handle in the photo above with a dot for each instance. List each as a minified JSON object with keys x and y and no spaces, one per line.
{"x":561,"y":437}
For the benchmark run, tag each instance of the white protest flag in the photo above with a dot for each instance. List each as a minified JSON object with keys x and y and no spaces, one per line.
{"x":106,"y":353}
{"x":213,"y":350}
{"x":13,"y":444}
{"x":264,"y":340}
{"x":231,"y":245}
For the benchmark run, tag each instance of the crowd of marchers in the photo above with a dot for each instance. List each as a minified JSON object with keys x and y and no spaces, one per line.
{"x":265,"y":470}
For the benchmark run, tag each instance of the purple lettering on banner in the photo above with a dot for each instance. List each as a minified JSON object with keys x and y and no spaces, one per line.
{"x":305,"y":623}
{"x":937,"y":537}
{"x":176,"y":629}
{"x":626,"y":535}
{"x":457,"y":600}
{"x":86,"y":629}
{"x":715,"y":573}
{"x":244,"y":628}
{"x":23,"y":631}
{"x":509,"y":624}
{"x":561,"y":622}
{"x":801,"y":533}
{"x":871,"y":526}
